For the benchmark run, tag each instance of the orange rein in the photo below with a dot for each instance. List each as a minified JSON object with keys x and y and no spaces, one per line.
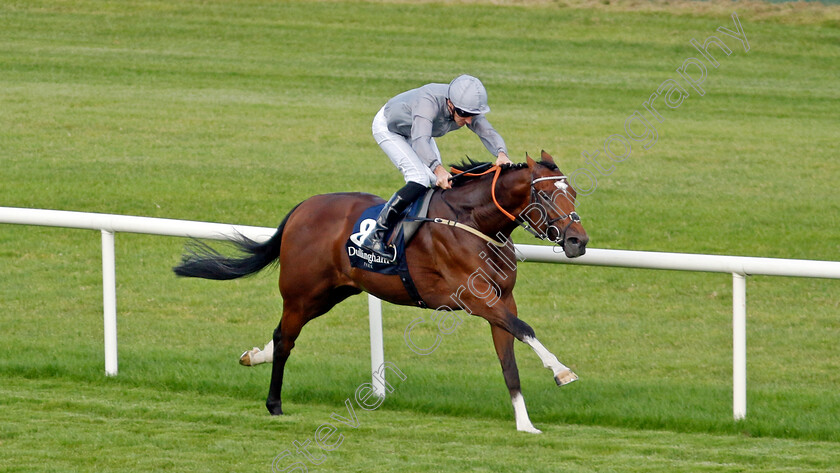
{"x":497,"y":170}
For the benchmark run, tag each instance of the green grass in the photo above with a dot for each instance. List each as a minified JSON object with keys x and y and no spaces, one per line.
{"x":235,"y":111}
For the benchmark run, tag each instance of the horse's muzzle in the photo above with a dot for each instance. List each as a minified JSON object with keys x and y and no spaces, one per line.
{"x":575,"y":246}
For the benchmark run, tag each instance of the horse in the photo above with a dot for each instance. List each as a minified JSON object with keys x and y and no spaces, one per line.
{"x":467,"y":232}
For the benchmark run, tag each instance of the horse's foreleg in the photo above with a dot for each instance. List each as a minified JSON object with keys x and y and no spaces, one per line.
{"x":255,"y":356}
{"x":562,"y":373}
{"x":503,"y":342}
{"x":524,"y":332}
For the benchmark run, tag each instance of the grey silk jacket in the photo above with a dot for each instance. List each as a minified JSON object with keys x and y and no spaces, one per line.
{"x":421,"y":114}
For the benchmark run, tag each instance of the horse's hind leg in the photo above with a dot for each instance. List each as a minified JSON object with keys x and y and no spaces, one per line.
{"x":284,"y":340}
{"x":503,"y":342}
{"x":297,"y":311}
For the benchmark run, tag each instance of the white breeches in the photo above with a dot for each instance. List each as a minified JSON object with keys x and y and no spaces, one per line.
{"x":401,"y":153}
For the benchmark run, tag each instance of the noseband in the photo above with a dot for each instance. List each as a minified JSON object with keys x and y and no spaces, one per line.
{"x":545,"y":202}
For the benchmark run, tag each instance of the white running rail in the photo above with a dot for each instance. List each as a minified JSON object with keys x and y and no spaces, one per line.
{"x":110,"y":224}
{"x":738,"y":266}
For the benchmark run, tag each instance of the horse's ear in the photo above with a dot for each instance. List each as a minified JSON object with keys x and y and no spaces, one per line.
{"x":546,"y":157}
{"x":531,"y":162}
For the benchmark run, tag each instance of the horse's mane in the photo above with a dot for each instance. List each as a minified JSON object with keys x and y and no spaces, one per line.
{"x":468,"y":163}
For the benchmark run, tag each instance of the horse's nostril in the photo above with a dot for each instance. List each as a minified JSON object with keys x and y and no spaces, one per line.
{"x":573,"y":241}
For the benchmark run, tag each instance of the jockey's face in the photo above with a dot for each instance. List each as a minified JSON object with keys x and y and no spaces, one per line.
{"x":459,"y":120}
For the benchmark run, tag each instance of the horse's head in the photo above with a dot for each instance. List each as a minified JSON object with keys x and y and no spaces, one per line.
{"x":551,"y":212}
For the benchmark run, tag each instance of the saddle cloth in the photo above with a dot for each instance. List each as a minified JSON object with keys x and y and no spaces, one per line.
{"x":399,"y":237}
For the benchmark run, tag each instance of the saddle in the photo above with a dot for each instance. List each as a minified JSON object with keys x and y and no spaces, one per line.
{"x":413,"y":218}
{"x":400,"y":235}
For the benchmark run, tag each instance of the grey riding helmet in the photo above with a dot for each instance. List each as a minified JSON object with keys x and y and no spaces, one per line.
{"x":468,"y":93}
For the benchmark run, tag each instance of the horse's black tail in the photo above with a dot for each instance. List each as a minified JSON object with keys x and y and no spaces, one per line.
{"x":202,"y":261}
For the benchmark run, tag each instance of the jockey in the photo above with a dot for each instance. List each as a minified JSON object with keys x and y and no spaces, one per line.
{"x":406,"y":127}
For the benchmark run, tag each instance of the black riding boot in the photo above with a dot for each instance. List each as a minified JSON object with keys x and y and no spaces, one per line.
{"x":390,"y":214}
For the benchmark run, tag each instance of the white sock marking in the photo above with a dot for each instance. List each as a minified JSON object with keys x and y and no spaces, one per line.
{"x":523,"y":423}
{"x":549,"y":360}
{"x":266,"y":355}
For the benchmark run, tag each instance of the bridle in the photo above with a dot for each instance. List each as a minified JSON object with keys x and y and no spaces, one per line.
{"x":538,"y":197}
{"x":573,"y":217}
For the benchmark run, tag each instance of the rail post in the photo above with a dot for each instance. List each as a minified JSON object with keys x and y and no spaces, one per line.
{"x":739,"y":346}
{"x":377,"y":348}
{"x":109,"y":302}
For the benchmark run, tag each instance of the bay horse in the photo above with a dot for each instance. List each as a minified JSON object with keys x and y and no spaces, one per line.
{"x":443,"y":255}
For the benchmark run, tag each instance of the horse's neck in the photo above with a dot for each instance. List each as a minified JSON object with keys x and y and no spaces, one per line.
{"x":474,"y":202}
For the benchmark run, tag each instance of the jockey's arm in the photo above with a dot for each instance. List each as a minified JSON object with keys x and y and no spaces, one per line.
{"x":421,"y":142}
{"x":491,"y":139}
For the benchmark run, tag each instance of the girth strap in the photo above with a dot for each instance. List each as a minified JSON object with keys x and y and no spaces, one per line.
{"x":408,"y":283}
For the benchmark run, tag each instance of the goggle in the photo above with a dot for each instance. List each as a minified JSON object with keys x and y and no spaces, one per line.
{"x":463,"y":113}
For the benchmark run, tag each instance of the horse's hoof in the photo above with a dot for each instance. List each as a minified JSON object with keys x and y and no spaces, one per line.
{"x":274,"y":409}
{"x":565,"y":377}
{"x":530,"y":430}
{"x":245,"y":359}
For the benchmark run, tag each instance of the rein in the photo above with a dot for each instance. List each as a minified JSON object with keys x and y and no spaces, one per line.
{"x":494,"y":169}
